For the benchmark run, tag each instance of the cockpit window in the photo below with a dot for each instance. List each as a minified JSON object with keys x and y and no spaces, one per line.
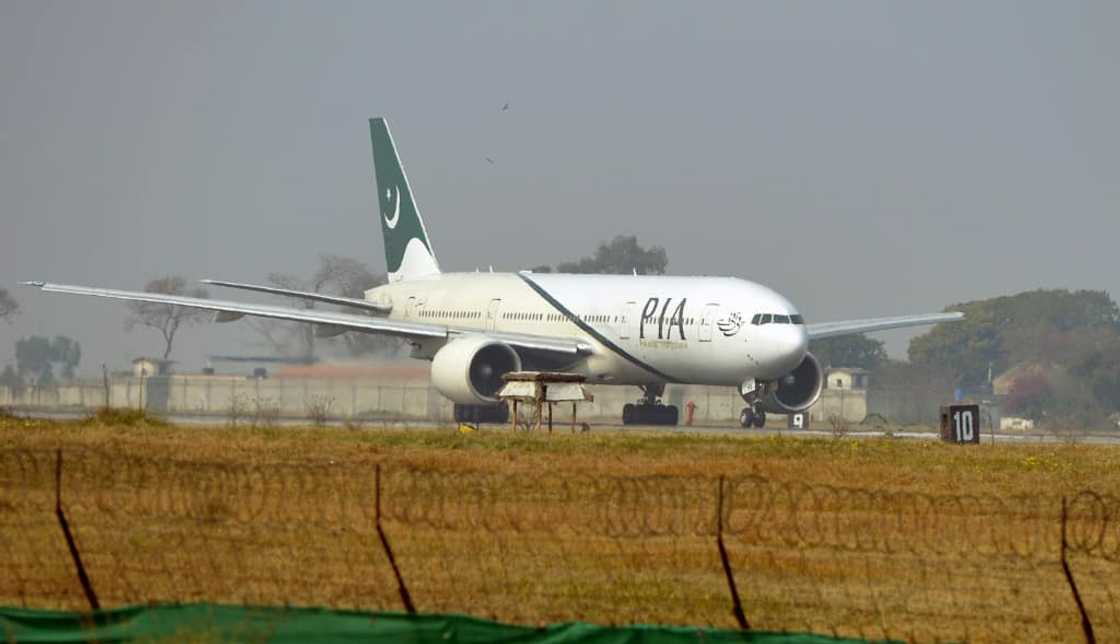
{"x":776,"y":318}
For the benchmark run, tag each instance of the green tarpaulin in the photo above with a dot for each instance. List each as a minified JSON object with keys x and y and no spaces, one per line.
{"x":220,"y":623}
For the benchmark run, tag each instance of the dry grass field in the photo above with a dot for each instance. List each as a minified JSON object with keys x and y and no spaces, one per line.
{"x":877,"y":538}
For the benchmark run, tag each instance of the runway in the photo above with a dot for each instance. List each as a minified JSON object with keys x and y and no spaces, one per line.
{"x":1074,"y":437}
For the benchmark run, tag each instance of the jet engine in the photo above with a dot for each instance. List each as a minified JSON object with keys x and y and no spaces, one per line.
{"x":797,"y":390}
{"x":469,"y":370}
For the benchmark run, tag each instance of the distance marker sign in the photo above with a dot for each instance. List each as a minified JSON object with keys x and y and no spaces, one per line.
{"x":960,"y":423}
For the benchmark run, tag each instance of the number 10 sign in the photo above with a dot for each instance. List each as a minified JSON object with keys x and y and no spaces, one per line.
{"x":960,"y":423}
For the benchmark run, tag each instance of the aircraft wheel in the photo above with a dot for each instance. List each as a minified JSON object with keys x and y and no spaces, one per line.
{"x":476,"y":414}
{"x":672,"y":415}
{"x":746,"y":417}
{"x":760,"y":419}
{"x":628,"y":414}
{"x":498,"y":414}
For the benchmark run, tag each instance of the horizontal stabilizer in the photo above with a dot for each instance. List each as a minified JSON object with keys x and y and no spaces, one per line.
{"x":380,"y":309}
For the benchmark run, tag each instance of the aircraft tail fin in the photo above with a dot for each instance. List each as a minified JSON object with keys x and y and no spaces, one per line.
{"x":408,"y":252}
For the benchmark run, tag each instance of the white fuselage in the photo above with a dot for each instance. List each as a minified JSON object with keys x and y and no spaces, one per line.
{"x":643,"y":329}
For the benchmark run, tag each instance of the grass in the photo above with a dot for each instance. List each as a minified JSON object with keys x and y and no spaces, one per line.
{"x":906,"y":465}
{"x":522,"y":527}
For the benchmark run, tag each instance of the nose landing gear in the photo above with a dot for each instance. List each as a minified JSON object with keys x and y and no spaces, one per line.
{"x":649,"y":410}
{"x":753,"y":393}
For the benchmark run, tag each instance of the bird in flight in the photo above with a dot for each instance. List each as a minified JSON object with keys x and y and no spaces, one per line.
{"x":490,"y":161}
{"x":505,"y":107}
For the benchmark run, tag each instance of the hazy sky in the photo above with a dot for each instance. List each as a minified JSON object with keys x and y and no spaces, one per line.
{"x":863,"y":158}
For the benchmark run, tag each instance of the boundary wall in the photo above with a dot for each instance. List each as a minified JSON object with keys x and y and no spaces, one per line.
{"x":235,"y":398}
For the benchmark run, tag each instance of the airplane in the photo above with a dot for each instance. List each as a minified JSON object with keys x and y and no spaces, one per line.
{"x":643,"y":330}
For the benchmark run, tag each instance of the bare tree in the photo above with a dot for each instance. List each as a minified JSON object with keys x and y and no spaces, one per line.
{"x":8,"y":305}
{"x":287,"y":338}
{"x":167,"y":318}
{"x":338,"y":275}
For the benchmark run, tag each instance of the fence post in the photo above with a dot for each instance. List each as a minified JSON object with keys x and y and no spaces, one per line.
{"x":406,"y":598}
{"x":1086,"y":624}
{"x":736,"y":603}
{"x":83,"y":578}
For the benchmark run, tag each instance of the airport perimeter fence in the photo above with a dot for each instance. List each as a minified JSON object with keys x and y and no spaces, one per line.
{"x":87,"y":528}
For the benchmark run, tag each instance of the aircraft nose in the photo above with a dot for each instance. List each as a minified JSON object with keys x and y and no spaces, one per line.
{"x":802,"y":341}
{"x":785,"y":349}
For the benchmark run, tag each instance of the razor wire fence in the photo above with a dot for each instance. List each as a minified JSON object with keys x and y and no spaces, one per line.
{"x":537,"y":547}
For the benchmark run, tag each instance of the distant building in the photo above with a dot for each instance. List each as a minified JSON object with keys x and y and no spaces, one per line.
{"x":145,"y":367}
{"x":1015,"y":424}
{"x":846,"y":378}
{"x":411,"y":371}
{"x":1005,"y":382}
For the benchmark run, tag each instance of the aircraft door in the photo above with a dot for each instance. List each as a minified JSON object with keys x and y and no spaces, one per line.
{"x":492,"y":312}
{"x":627,"y":320}
{"x":707,"y":320}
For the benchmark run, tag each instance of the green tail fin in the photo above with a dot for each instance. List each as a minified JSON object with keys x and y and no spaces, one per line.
{"x":408,"y":253}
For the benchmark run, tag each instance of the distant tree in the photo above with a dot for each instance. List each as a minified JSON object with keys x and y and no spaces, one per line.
{"x":1000,"y":332}
{"x":1096,"y":363}
{"x":337,"y":275}
{"x":11,"y":380}
{"x":36,"y":356}
{"x":67,"y":353}
{"x":1030,"y":395}
{"x":33,"y":358}
{"x":901,"y":375}
{"x":849,"y":351}
{"x":621,"y":256}
{"x":8,"y":305}
{"x":167,"y":318}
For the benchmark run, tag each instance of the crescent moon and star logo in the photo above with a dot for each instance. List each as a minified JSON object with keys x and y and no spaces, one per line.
{"x":390,"y":193}
{"x":731,"y":324}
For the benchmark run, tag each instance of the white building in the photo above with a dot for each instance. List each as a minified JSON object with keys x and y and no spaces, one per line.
{"x":143,"y":367}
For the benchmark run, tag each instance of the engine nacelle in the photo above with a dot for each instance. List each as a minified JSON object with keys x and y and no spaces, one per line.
{"x":797,"y":390}
{"x":469,"y":370}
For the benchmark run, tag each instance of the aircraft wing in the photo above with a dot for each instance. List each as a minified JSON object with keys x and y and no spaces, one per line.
{"x":331,"y":321}
{"x":849,"y":327}
{"x":306,"y":295}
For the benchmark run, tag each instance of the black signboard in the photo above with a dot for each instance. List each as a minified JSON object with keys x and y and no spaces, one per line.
{"x":960,"y":423}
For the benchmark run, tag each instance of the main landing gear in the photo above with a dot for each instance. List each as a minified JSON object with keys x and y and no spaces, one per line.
{"x":649,"y":410}
{"x":753,"y":393}
{"x":753,"y":416}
